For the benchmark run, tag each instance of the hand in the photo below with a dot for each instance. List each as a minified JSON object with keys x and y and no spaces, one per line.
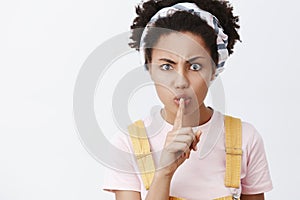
{"x":179,"y":142}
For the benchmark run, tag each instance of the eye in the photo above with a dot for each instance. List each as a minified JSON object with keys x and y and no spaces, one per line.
{"x":195,"y":67}
{"x":166,"y":67}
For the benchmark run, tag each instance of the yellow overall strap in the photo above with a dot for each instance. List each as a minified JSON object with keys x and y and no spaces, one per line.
{"x":142,"y":151}
{"x":233,"y":148}
{"x":233,"y":144}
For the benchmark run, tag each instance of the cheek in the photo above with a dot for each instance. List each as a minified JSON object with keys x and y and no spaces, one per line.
{"x":163,"y":92}
{"x":163,"y":88}
{"x":201,"y":94}
{"x":163,"y":80}
{"x":161,"y":77}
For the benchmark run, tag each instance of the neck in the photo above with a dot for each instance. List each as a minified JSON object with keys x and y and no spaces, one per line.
{"x":196,"y":118}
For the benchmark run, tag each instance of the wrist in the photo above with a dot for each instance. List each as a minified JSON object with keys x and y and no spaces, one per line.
{"x":164,"y":174}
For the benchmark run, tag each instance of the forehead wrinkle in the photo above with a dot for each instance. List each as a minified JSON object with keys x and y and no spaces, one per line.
{"x":181,"y":46}
{"x":167,"y":55}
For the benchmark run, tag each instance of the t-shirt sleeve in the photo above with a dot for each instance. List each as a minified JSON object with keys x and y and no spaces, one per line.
{"x":120,"y":173}
{"x":257,"y":176}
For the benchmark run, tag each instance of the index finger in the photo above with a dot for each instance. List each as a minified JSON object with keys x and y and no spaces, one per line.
{"x":179,"y":116}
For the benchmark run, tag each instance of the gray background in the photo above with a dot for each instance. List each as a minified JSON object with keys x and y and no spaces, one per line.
{"x":44,"y":44}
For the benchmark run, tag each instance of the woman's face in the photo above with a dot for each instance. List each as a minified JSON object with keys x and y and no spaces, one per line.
{"x":181,"y":67}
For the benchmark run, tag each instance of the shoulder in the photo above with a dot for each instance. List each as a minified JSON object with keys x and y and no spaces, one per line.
{"x":256,"y":175}
{"x":251,"y":137}
{"x":120,"y":155}
{"x":249,"y":132}
{"x":120,"y":140}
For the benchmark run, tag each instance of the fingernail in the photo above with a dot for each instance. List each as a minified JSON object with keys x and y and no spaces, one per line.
{"x":181,"y":100}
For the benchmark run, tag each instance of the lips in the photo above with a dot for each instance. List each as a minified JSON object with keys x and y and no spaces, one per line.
{"x":186,"y":98}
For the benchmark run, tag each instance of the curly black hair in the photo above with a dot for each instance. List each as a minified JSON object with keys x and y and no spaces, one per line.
{"x":222,"y":10}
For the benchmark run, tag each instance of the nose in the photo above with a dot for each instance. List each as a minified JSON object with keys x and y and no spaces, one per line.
{"x":181,"y":81}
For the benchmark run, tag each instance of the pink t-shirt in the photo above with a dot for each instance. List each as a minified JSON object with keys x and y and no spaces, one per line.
{"x":201,"y":177}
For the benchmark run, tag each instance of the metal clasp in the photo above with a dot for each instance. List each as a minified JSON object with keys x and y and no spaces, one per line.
{"x":235,"y":197}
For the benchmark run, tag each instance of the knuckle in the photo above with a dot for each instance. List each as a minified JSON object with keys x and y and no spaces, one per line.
{"x":190,"y":138}
{"x":186,"y":146}
{"x":182,"y":146}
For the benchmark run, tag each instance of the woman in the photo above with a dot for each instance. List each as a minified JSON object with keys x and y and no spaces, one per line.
{"x":184,"y":46}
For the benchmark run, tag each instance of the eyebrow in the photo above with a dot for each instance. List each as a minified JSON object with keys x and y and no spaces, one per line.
{"x":167,"y":60}
{"x":194,"y":58}
{"x":172,"y":62}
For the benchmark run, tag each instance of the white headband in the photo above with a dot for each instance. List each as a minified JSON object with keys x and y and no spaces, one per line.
{"x":212,"y":21}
